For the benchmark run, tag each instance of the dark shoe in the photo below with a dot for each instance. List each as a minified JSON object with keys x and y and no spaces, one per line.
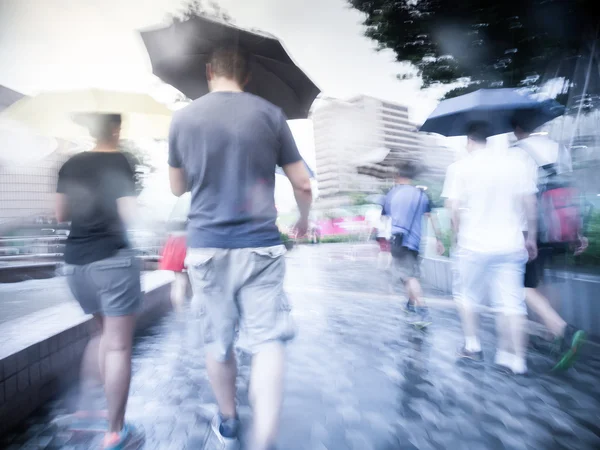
{"x":409,"y":308}
{"x":422,"y":318}
{"x":226,"y":431}
{"x":567,"y":348}
{"x":463,"y":353}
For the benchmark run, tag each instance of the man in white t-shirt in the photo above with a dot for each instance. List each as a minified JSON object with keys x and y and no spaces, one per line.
{"x":448,"y":189}
{"x":490,"y":191}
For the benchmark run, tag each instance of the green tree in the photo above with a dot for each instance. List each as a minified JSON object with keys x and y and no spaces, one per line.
{"x":485,"y":43}
{"x":358,"y":199}
{"x":196,"y":8}
{"x":139,"y":161}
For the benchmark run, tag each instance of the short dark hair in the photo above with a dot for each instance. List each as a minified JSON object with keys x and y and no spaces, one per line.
{"x":230,"y":61}
{"x":407,"y":169}
{"x":524,"y":121}
{"x":478,"y":131}
{"x":101,"y":126}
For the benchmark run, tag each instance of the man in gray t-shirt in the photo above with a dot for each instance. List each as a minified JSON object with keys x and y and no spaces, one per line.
{"x":229,"y":144}
{"x":224,"y":148}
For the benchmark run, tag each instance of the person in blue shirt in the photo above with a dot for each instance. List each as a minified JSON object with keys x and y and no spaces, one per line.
{"x":406,"y":205}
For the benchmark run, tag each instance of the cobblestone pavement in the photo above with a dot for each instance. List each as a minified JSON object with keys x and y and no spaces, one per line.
{"x":359,"y":378}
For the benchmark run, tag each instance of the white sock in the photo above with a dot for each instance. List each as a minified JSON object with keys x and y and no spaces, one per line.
{"x":472,"y":344}
{"x":504,"y":359}
{"x":519,"y":365}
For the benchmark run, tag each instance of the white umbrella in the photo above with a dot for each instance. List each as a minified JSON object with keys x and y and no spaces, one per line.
{"x":51,"y":113}
{"x":21,"y":146}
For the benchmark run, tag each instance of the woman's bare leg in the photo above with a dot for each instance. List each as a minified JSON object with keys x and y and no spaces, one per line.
{"x":92,"y":371}
{"x":117,"y":341}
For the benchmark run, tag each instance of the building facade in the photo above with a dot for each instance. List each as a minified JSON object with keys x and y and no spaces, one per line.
{"x":362,"y":132}
{"x":27,"y":190}
{"x":435,"y":156}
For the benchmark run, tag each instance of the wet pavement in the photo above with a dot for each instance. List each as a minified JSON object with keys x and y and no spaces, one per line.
{"x":359,"y":377}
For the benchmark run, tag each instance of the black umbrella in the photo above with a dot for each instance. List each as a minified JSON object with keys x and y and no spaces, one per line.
{"x":179,"y":54}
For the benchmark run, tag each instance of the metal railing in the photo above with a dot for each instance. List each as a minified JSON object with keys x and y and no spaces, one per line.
{"x":51,"y":248}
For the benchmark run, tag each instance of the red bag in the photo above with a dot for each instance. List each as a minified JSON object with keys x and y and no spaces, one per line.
{"x":173,"y":256}
{"x":560,"y":214}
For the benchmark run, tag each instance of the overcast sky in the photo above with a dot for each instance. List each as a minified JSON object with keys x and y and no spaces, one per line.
{"x":55,"y":44}
{"x":70,"y":44}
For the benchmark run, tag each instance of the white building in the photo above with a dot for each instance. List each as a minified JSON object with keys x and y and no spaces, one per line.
{"x":363,"y":131}
{"x":435,"y":156}
{"x":28,"y":189}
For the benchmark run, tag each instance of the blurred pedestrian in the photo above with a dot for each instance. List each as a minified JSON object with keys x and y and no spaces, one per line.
{"x":96,"y":193}
{"x":487,"y":199}
{"x":548,"y":161}
{"x":406,"y":205}
{"x":225,"y":147}
{"x":173,"y":259}
{"x":448,"y":189}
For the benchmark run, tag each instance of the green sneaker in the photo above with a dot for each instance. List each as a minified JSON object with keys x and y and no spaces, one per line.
{"x":421,"y":319}
{"x":569,"y":347}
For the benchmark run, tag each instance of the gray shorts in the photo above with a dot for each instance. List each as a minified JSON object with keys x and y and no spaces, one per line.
{"x":406,"y":264}
{"x":110,"y":287}
{"x":240,"y":287}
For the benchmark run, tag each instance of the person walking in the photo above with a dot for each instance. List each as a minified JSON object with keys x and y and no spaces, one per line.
{"x":492,"y":188}
{"x":548,"y":159}
{"x":225,"y":148}
{"x":173,"y":259}
{"x":96,"y":193}
{"x":449,"y":187}
{"x":406,"y":205}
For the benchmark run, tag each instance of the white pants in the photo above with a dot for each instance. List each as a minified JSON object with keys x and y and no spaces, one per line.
{"x":455,"y":269}
{"x":498,"y":275}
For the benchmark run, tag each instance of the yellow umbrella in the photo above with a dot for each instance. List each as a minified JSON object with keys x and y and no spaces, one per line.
{"x":50,"y":113}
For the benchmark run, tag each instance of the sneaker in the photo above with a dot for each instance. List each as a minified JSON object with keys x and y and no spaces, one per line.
{"x":503,"y":359}
{"x":463,"y":353}
{"x":226,"y":432}
{"x":508,"y":361}
{"x":409,"y":308}
{"x":130,"y":438}
{"x":567,"y":348}
{"x":422,"y":319}
{"x":519,"y":366}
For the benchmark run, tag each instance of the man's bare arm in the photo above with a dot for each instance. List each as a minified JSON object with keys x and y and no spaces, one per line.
{"x":178,"y":181}
{"x":127,"y":207}
{"x":435,"y":224}
{"x":530,"y":207}
{"x":453,"y":207}
{"x":300,"y":180}
{"x":61,"y":209}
